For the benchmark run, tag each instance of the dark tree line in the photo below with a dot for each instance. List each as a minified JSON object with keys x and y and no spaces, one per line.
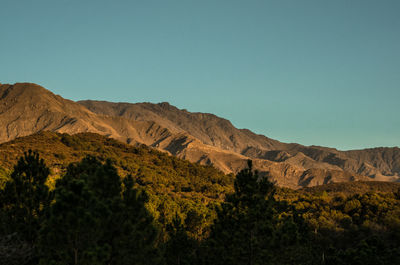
{"x":95,"y":217}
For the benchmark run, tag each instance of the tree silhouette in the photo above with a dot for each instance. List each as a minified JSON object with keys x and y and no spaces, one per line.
{"x":244,"y":230}
{"x":95,"y":221}
{"x":179,"y":248}
{"x":25,"y":197}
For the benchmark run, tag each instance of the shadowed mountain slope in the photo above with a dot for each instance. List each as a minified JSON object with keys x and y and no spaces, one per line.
{"x":198,"y":137}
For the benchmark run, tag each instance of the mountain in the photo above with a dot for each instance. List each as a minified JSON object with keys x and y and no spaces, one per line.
{"x":27,"y":108}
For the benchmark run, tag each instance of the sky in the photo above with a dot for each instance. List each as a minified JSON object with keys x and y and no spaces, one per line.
{"x":312,"y":72}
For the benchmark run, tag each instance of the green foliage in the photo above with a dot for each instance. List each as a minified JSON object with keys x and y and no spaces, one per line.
{"x":244,"y":230}
{"x":25,"y":197}
{"x":351,"y":188}
{"x":94,"y":221}
{"x":4,"y":177}
{"x":137,"y":236}
{"x":133,"y":205}
{"x":173,"y":185}
{"x":354,"y":229}
{"x":180,"y":249}
{"x":158,"y":172}
{"x":72,"y":233}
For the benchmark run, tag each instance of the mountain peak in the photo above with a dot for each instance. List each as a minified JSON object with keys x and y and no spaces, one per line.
{"x":18,"y":90}
{"x":27,"y":86}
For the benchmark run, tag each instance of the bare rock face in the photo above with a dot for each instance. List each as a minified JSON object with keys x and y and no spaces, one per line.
{"x":27,"y":108}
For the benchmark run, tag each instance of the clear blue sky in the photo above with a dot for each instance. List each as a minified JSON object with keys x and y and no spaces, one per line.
{"x":313,"y":72}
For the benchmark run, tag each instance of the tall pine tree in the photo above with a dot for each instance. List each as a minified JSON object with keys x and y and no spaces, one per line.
{"x":95,"y":221}
{"x":72,"y":232}
{"x":244,"y":230}
{"x":180,"y":249}
{"x":25,"y":197}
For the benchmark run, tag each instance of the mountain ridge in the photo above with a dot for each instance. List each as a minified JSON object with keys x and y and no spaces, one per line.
{"x":27,"y":108}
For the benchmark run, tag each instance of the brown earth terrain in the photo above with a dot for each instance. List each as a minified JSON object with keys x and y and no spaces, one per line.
{"x":27,"y":108}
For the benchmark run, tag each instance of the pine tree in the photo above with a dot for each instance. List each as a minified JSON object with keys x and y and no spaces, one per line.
{"x":179,"y":248}
{"x":135,"y":235}
{"x":94,"y":221}
{"x":72,"y":233}
{"x":26,"y":198}
{"x":244,"y":231}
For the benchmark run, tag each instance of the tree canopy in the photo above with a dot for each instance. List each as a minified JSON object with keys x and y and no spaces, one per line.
{"x":95,"y":215}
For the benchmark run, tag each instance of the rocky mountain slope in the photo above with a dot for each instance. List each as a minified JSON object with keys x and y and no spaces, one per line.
{"x":198,"y":137}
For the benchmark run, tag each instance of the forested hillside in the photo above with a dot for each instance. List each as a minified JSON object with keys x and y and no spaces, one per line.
{"x":94,"y":200}
{"x":159,"y":172}
{"x":174,"y":186}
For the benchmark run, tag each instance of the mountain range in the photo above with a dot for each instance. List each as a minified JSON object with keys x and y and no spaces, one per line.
{"x":27,"y":108}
